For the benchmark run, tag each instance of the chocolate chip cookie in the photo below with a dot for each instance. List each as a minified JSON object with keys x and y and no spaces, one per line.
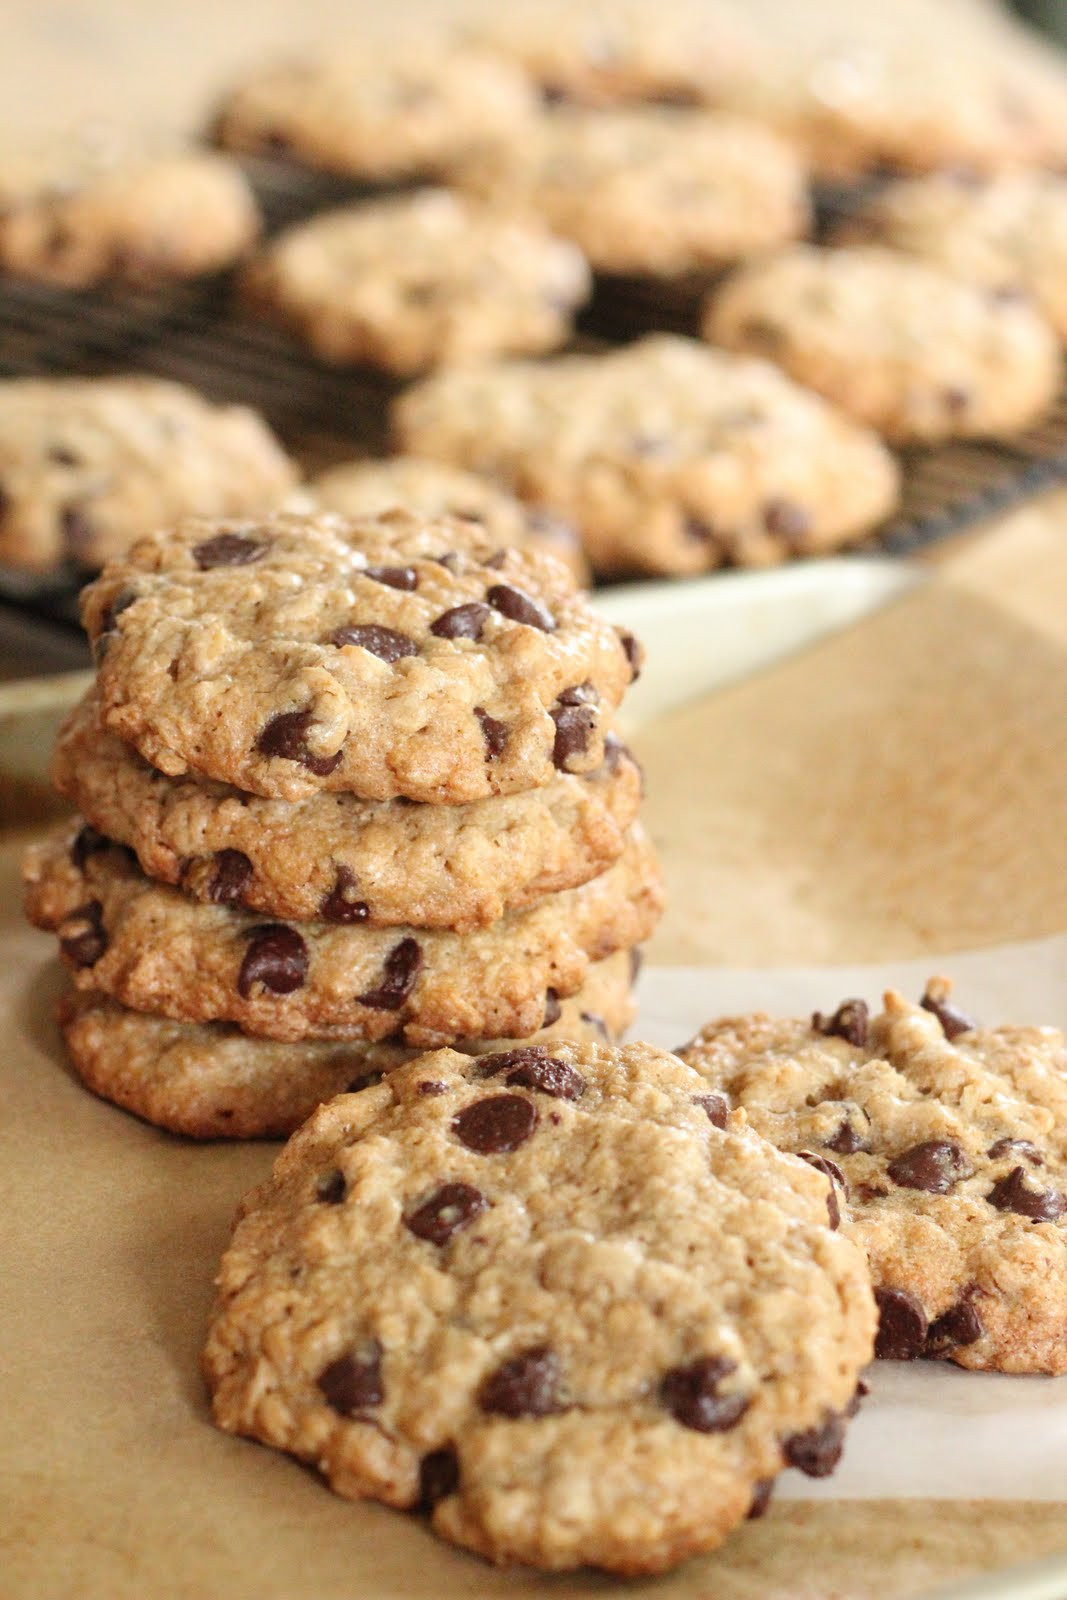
{"x":652,"y":190}
{"x":336,"y":858}
{"x":431,"y":489}
{"x":155,"y":950}
{"x":210,"y":1081}
{"x":88,"y":465}
{"x":419,"y":281}
{"x":541,"y":1298}
{"x":945,"y":1145}
{"x":380,"y":656}
{"x":667,"y":456}
{"x":900,"y":345}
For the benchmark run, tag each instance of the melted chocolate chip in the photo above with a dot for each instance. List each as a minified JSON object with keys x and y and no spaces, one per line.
{"x":761,"y":1499}
{"x":519,"y":607}
{"x":716,"y":1106}
{"x":953,"y":1022}
{"x":902,"y":1325}
{"x":849,"y":1022}
{"x":936,"y":1166}
{"x":230,"y":878}
{"x":494,"y":733}
{"x":691,"y":1395}
{"x":462,"y":622}
{"x":786,"y":519}
{"x":332,"y":1188}
{"x":402,"y":967}
{"x":353,"y":1383}
{"x":1015,"y":1193}
{"x":1012,"y":1147}
{"x":526,"y":1386}
{"x":394,"y":577}
{"x":86,"y":939}
{"x":87,"y":842}
{"x":959,"y":1325}
{"x":574,"y":726}
{"x":341,"y":905}
{"x":817,"y":1451}
{"x":385,"y":643}
{"x":547,"y":1075}
{"x":227,"y":550}
{"x":832,"y":1171}
{"x":633,"y":653}
{"x":553,"y":1009}
{"x":438,"y":1478}
{"x":276,"y":958}
{"x":447,"y":1210}
{"x":495,"y":1125}
{"x":491,"y":1066}
{"x":286,"y":735}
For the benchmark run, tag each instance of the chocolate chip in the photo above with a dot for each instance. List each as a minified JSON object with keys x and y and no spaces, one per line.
{"x":936,"y":1165}
{"x":849,"y":1022}
{"x":504,"y":1060}
{"x":632,"y":651}
{"x":340,"y":905}
{"x":956,"y":399}
{"x":353,"y":1382}
{"x":701,"y":531}
{"x":953,"y":1022}
{"x":786,"y":519}
{"x":87,"y":842}
{"x":230,"y":878}
{"x":959,"y":1325}
{"x":591,"y":1019}
{"x":495,"y":1125}
{"x":438,"y":1478}
{"x":691,"y":1395}
{"x":85,"y":940}
{"x":519,"y":607}
{"x":1014,"y":1193}
{"x":526,"y":1386}
{"x":494,"y":733}
{"x":716,"y":1106}
{"x":276,"y":958}
{"x":447,"y":1210}
{"x":61,"y":456}
{"x":761,"y":1499}
{"x":432,"y":1086}
{"x":108,"y":620}
{"x":637,"y":961}
{"x":332,"y":1189}
{"x":227,"y":550}
{"x":817,"y":1451}
{"x":860,"y":1393}
{"x":574,"y":725}
{"x":1011,"y":1147}
{"x":847,"y":1139}
{"x":402,"y":966}
{"x":832,"y":1171}
{"x":285,"y":735}
{"x":77,"y":530}
{"x":394,"y":577}
{"x":553,"y":1009}
{"x":902,"y":1325}
{"x":462,"y":622}
{"x":547,"y":1075}
{"x":385,"y":643}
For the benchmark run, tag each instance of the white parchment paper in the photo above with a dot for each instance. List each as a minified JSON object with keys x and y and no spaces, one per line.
{"x":927,"y":1430}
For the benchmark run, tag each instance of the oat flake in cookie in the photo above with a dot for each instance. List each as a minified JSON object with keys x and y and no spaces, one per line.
{"x":945,"y":1143}
{"x":541,"y":1298}
{"x":381,"y":656}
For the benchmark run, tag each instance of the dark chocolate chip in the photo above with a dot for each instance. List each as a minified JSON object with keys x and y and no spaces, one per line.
{"x":1015,"y":1193}
{"x":385,"y":643}
{"x":332,"y":1188}
{"x":847,"y":1139}
{"x":959,"y":1325}
{"x":87,"y":842}
{"x":432,"y":1086}
{"x":491,"y":1066}
{"x":447,"y":1210}
{"x":862,"y":1390}
{"x":786,"y":519}
{"x":276,"y":958}
{"x":462,"y":622}
{"x":286,"y":735}
{"x":341,"y":905}
{"x":519,"y":607}
{"x":230,"y":878}
{"x":832,"y":1171}
{"x":591,"y":1019}
{"x":902,"y":1325}
{"x":108,"y":621}
{"x":394,"y":577}
{"x":495,"y":1125}
{"x":526,"y":1386}
{"x":633,"y":653}
{"x":579,"y":694}
{"x":849,"y":1022}
{"x":438,"y":1478}
{"x":936,"y":1165}
{"x":547,"y":1075}
{"x":494,"y":733}
{"x":402,"y":967}
{"x":953,"y":1022}
{"x":228,"y":550}
{"x":85,"y":940}
{"x":817,"y":1451}
{"x":761,"y":1499}
{"x":690,"y":1394}
{"x":1013,"y":1147}
{"x":574,"y":726}
{"x":716,"y":1107}
{"x":553,"y":1009}
{"x":353,"y":1382}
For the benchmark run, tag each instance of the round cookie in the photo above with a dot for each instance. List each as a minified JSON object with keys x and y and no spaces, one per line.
{"x":95,"y":211}
{"x":652,"y":190}
{"x":667,"y":456}
{"x":542,"y":1298}
{"x":1008,"y":234}
{"x":947,"y":1146}
{"x":431,"y":489}
{"x":900,"y":345}
{"x":210,"y":1081}
{"x":380,"y":656}
{"x":392,"y":111}
{"x":418,"y":281}
{"x":88,"y":465}
{"x":340,"y":859}
{"x":154,"y":950}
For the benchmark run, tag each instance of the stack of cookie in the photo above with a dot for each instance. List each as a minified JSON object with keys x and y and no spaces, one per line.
{"x":351,"y":790}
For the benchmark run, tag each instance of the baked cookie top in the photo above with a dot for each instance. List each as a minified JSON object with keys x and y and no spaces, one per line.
{"x":431,"y":489}
{"x":651,"y":190}
{"x":901,"y":345}
{"x":88,"y":210}
{"x":155,"y":950}
{"x":381,"y":656}
{"x":666,"y":455}
{"x":418,"y":281}
{"x":336,"y":858}
{"x":947,"y":1146}
{"x":88,"y":465}
{"x":487,"y":1289}
{"x":402,"y":108}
